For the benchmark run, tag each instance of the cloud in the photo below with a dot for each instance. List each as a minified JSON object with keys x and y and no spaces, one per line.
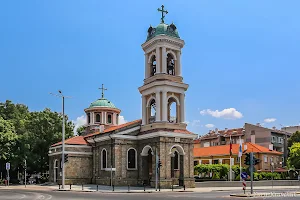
{"x":269,"y":120}
{"x":122,"y":120}
{"x":187,"y":122}
{"x":195,"y":122}
{"x":79,"y":122}
{"x":228,"y":113}
{"x":209,"y":125}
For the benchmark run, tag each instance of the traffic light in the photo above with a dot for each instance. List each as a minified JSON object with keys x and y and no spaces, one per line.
{"x":247,"y":159}
{"x":66,"y":157}
{"x":159,"y":163}
{"x":255,"y":161}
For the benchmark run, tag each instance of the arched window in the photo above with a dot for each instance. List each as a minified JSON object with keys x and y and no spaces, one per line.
{"x":89,"y":118}
{"x":170,"y":65}
{"x":153,"y":65}
{"x":176,"y":160}
{"x":109,"y":121}
{"x":98,"y":118}
{"x":172,"y":111}
{"x":117,"y":119}
{"x":152,"y":111}
{"x":131,"y":158}
{"x":103,"y":159}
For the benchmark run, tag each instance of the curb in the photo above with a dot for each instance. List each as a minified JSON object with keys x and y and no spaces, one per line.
{"x":241,"y":195}
{"x":110,"y":192}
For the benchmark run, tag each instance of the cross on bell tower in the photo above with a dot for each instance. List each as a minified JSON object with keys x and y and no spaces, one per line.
{"x":103,"y":89}
{"x":162,"y":13}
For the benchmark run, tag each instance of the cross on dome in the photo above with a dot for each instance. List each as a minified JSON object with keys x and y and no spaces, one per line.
{"x":102,"y":88}
{"x":162,"y":13}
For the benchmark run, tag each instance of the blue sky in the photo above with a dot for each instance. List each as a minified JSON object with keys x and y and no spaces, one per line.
{"x":242,"y":56}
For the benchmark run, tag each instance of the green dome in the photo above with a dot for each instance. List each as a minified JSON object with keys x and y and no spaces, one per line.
{"x":163,"y":29}
{"x":102,"y":103}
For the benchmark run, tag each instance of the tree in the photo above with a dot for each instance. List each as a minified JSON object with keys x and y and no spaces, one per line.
{"x":294,"y":158}
{"x":8,"y":138}
{"x":295,"y":137}
{"x":80,"y":130}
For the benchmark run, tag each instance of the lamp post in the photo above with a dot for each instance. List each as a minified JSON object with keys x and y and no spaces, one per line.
{"x":272,"y":168}
{"x":63,"y":136}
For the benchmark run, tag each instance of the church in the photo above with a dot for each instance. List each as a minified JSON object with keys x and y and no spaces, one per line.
{"x":155,"y":149}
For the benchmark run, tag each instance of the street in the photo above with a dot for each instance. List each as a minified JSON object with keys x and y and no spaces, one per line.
{"x":16,"y":194}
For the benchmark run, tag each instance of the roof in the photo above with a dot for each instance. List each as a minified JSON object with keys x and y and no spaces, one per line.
{"x":113,"y":128}
{"x":224,"y":150}
{"x":225,"y":133}
{"x":102,"y":103}
{"x":77,"y":140}
{"x":163,"y":29}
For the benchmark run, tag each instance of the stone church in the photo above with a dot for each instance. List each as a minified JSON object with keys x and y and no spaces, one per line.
{"x":156,"y":147}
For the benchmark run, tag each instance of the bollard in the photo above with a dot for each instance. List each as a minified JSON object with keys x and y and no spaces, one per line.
{"x":159,"y":187}
{"x":81,"y":186}
{"x":97,"y":187}
{"x":59,"y":186}
{"x":113,"y":188}
{"x":128,"y":188}
{"x":172,"y":187}
{"x":70,"y":186}
{"x":144,"y":187}
{"x":184,"y":187}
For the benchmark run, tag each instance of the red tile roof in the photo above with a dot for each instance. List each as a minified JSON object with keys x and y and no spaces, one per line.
{"x":224,"y":150}
{"x":113,"y":128}
{"x":77,"y":140}
{"x":225,"y":133}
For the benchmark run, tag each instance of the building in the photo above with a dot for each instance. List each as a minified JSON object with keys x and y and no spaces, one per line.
{"x":128,"y":154}
{"x":221,"y":155}
{"x":291,"y":129}
{"x":272,"y":139}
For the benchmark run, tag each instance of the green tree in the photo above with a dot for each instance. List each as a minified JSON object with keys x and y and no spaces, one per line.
{"x":295,"y":137}
{"x":294,"y":158}
{"x":8,"y":138}
{"x":80,"y":130}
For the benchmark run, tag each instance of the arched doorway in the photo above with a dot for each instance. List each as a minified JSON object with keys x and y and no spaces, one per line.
{"x":147,"y":161}
{"x":55,"y":171}
{"x":177,"y":164}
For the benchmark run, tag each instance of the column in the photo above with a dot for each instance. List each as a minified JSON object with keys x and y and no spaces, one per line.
{"x":182,"y":111}
{"x":158,"y":69}
{"x":178,"y":64}
{"x":157,"y":102}
{"x":102,"y":118}
{"x":164,"y":60}
{"x":146,"y":66}
{"x":164,"y":106}
{"x":200,"y":162}
{"x":220,"y":161}
{"x":210,"y":161}
{"x":114,"y":119}
{"x":143,"y":110}
{"x":93,"y":118}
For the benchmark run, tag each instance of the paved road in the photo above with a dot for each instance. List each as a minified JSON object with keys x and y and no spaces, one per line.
{"x":60,"y":195}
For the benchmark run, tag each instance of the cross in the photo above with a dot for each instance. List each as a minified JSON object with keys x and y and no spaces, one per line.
{"x":102,"y":88}
{"x":162,"y":13}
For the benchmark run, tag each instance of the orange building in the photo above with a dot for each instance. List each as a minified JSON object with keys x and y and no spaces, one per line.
{"x":221,"y":155}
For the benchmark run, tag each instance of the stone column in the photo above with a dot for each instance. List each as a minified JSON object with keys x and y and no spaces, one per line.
{"x":178,"y":73}
{"x":210,"y":161}
{"x":158,"y":103}
{"x":182,"y":111}
{"x":200,"y":162}
{"x":220,"y":161}
{"x":164,"y":106}
{"x":164,"y":61}
{"x":158,"y":60}
{"x":146,"y":66}
{"x":104,"y":117}
{"x":93,"y":118}
{"x":143,"y":110}
{"x":114,"y":119}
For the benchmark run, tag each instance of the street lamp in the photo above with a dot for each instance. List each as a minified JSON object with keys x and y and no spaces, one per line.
{"x":272,"y":170}
{"x":63,"y":136}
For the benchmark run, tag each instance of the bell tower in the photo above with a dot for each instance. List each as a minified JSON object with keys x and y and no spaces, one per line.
{"x":163,"y":91}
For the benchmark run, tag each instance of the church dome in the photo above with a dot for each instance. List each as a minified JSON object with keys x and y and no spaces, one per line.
{"x":163,"y":29}
{"x":102,"y":103}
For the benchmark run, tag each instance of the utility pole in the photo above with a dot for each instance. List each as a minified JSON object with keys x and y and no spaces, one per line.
{"x":251,"y":171}
{"x":63,"y":136}
{"x":25,"y":172}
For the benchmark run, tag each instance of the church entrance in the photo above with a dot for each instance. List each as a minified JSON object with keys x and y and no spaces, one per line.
{"x":147,"y":167}
{"x":177,"y":165}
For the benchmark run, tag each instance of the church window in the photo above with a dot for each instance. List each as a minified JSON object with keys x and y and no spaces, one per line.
{"x":152,"y":111}
{"x":109,"y":120}
{"x":89,"y":118}
{"x":131,"y":158}
{"x":104,"y":159}
{"x":172,"y":111}
{"x":176,"y":160}
{"x":98,"y":118}
{"x":153,"y":65}
{"x":170,"y":65}
{"x":117,"y":119}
